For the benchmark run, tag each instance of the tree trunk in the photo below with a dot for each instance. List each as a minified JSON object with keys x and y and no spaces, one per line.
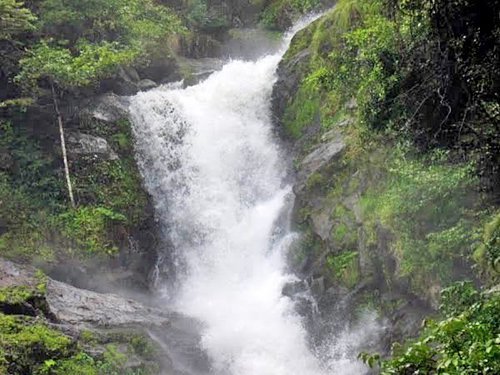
{"x":63,"y":147}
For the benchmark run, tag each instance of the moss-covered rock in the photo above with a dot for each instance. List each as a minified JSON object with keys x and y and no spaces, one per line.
{"x":50,"y":327}
{"x":378,"y":217}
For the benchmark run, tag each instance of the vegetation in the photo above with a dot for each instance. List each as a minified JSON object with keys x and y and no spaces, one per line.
{"x":403,"y":83}
{"x":465,"y":341}
{"x":280,"y":13}
{"x":28,"y":346}
{"x":411,"y":85}
{"x":14,"y":19}
{"x":86,"y":41}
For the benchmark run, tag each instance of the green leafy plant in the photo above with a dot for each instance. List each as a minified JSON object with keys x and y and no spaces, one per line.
{"x":465,"y":341}
{"x":89,"y":228}
{"x":15,"y":18}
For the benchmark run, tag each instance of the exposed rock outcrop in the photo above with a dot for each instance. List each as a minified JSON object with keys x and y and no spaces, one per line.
{"x":107,"y":318}
{"x":346,"y":266}
{"x":79,"y":308}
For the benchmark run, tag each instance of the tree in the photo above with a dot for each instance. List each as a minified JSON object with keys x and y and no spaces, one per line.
{"x":14,"y":18}
{"x":86,"y":41}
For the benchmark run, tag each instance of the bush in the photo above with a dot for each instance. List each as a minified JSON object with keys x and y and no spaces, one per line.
{"x":466,"y":341}
{"x":90,"y":228}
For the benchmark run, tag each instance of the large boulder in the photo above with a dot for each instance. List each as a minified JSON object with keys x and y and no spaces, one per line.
{"x":148,"y":336}
{"x":67,"y":305}
{"x":89,"y":145}
{"x":107,"y":108}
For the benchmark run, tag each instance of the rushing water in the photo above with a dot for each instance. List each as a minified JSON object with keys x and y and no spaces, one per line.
{"x":217,"y":176}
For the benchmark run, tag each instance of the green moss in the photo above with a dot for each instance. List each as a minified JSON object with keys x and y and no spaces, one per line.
{"x":308,"y":246}
{"x":303,"y":111}
{"x":39,"y":225}
{"x":90,"y":227}
{"x":425,"y":205}
{"x":16,"y":295}
{"x":316,"y":180}
{"x":463,"y":341}
{"x":340,"y":232}
{"x":344,"y":267}
{"x":25,"y":344}
{"x":487,"y":254}
{"x":142,"y":346}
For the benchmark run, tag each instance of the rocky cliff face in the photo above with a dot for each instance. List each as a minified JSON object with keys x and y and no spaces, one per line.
{"x":346,"y":260}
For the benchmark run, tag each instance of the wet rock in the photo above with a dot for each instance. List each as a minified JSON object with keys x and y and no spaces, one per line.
{"x":197,"y":46}
{"x":162,"y":69}
{"x":79,"y":307}
{"x":146,"y":84}
{"x":89,"y":145}
{"x":321,"y":157}
{"x":108,"y":108}
{"x":131,"y":73}
{"x":122,"y":83}
{"x":318,"y":286}
{"x":289,"y":77}
{"x":293,"y":288}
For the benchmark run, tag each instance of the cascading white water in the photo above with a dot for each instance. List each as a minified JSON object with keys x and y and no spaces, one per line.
{"x":209,"y":160}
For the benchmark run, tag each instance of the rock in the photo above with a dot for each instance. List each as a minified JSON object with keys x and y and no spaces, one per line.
{"x":196,"y":70}
{"x":121,"y":83}
{"x":146,"y":84}
{"x":318,"y":286}
{"x":289,"y":77}
{"x":197,"y":46}
{"x":105,"y":319}
{"x":79,"y":307}
{"x":322,"y":223}
{"x":12,"y":275}
{"x":131,"y":73}
{"x":291,"y":289}
{"x":108,"y":108}
{"x":322,"y":156}
{"x":162,"y":69}
{"x":89,"y":145}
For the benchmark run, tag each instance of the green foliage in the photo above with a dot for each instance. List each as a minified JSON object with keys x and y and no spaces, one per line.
{"x":30,"y":347}
{"x":18,"y":295}
{"x":466,"y":341}
{"x":37,"y":225}
{"x":303,"y":110}
{"x":24,"y":344}
{"x":348,"y":13}
{"x":60,"y":65}
{"x":129,"y":22}
{"x":487,"y":255}
{"x":200,"y":16}
{"x":274,"y":14}
{"x":87,"y":40}
{"x":14,"y":18}
{"x":359,"y":65}
{"x":344,"y":267}
{"x":90,"y":228}
{"x":424,"y":203}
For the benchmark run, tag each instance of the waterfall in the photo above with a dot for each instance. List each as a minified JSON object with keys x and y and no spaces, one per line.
{"x":216,"y":174}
